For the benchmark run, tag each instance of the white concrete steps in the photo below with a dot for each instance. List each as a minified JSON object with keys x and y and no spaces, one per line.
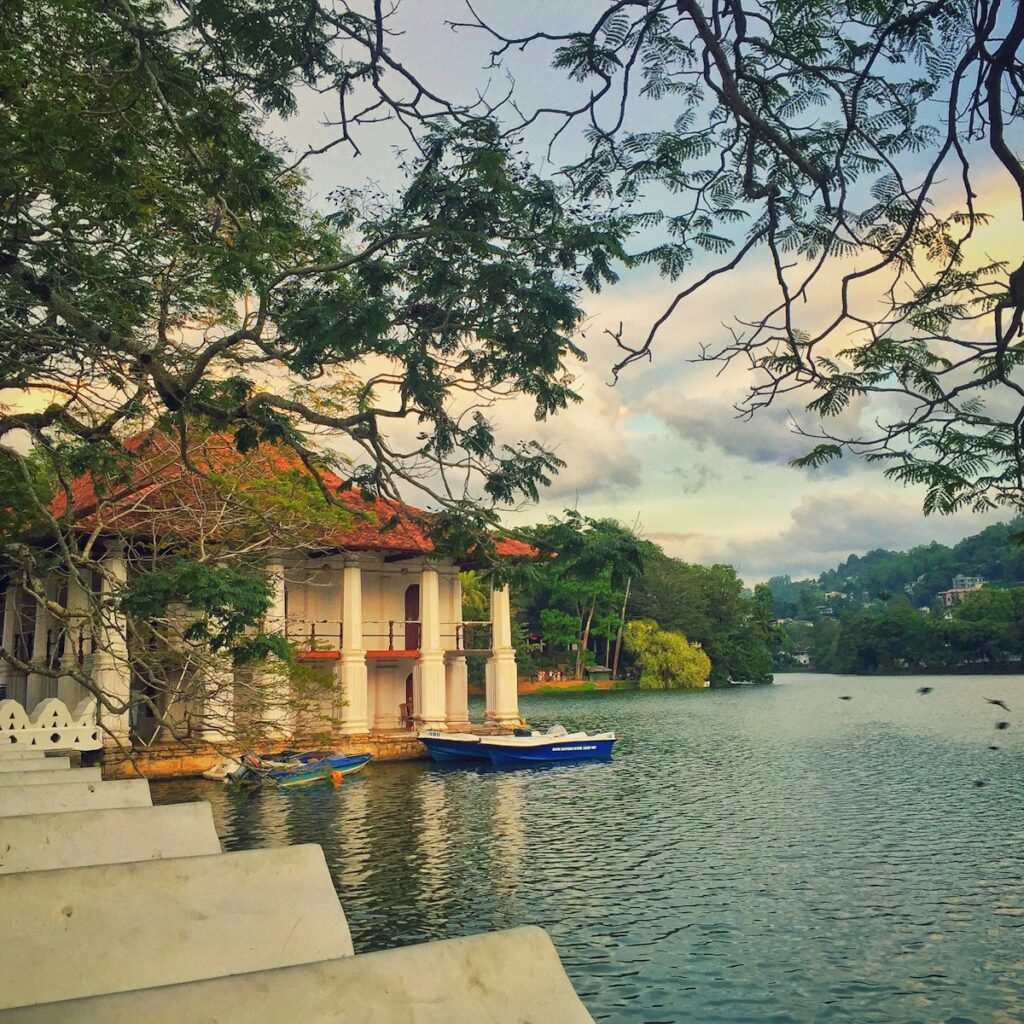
{"x":20,"y":754}
{"x":34,"y":764}
{"x":47,"y":842}
{"x":73,"y":796}
{"x":44,"y":778}
{"x":511,"y":977}
{"x":111,"y":928}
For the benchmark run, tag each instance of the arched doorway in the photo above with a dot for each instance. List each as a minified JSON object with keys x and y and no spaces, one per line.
{"x":412,"y":617}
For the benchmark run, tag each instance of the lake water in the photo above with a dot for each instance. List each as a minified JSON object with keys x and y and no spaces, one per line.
{"x":752,"y":854}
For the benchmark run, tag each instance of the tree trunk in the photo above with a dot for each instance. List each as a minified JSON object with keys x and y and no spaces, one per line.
{"x":582,"y":649}
{"x":618,"y":635}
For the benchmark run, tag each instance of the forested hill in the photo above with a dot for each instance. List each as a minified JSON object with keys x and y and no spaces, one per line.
{"x":920,"y":572}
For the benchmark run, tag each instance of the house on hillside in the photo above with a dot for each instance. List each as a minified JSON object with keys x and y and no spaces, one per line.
{"x":955,"y":595}
{"x":968,"y":582}
{"x":369,"y":605}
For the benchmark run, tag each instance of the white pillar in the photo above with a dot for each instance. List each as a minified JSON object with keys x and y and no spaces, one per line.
{"x":353,"y":654}
{"x":502,"y":689}
{"x":456,"y":681}
{"x":276,"y":713}
{"x":110,"y":669}
{"x":456,"y":673}
{"x":430,"y":713}
{"x":218,"y":700}
{"x":7,"y":673}
{"x":390,"y":695}
{"x":69,"y":689}
{"x":39,"y":685}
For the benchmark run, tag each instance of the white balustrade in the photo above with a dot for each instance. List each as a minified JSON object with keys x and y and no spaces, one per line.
{"x":49,"y":726}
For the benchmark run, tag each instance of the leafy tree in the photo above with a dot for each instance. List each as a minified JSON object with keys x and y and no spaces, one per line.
{"x":666,"y":660}
{"x":985,"y":630}
{"x":476,"y":601}
{"x":708,"y":604}
{"x":854,"y":147}
{"x":576,"y":587}
{"x":161,"y":264}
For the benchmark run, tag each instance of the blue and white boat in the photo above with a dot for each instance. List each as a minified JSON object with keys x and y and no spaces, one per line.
{"x":549,"y":748}
{"x":554,"y":746}
{"x":453,"y":746}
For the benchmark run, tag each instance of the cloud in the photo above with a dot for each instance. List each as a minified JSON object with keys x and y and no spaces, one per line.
{"x":823,"y":530}
{"x":694,"y":479}
{"x":593,"y":439}
{"x":770,"y":437}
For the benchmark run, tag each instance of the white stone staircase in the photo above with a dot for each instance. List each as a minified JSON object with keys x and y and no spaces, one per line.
{"x":114,"y":910}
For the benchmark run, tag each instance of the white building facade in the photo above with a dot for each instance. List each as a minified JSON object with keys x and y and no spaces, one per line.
{"x":372,"y":611}
{"x":384,"y":628}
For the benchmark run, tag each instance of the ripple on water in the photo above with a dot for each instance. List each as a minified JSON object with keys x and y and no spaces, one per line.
{"x":750,"y":855}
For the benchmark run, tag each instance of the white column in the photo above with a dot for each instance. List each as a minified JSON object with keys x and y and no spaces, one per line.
{"x":69,"y":689}
{"x":390,"y":696}
{"x":456,"y":674}
{"x":276,"y":712}
{"x":430,"y":713}
{"x":502,"y":689}
{"x":218,"y":700}
{"x":110,"y":669}
{"x":7,"y":672}
{"x":40,"y":685}
{"x":353,"y":654}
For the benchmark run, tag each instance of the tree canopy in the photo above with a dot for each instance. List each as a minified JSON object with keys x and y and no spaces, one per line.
{"x":160,"y":259}
{"x":855,"y":149}
{"x":665,"y":660}
{"x":575,"y":599}
{"x":162,"y":265}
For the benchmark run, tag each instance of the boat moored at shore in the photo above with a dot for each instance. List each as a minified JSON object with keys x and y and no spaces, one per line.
{"x":289,"y":769}
{"x":554,"y":746}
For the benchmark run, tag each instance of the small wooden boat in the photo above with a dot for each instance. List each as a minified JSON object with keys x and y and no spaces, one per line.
{"x":296,"y":769}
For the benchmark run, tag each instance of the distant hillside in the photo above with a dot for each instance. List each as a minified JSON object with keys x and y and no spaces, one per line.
{"x":920,"y":573}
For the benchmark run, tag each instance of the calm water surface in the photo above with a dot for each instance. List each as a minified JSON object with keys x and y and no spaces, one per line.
{"x":755,"y":854}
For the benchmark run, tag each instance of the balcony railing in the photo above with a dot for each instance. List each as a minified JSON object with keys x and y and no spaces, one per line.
{"x":473,"y":636}
{"x":392,"y":635}
{"x":315,"y":634}
{"x":388,"y":635}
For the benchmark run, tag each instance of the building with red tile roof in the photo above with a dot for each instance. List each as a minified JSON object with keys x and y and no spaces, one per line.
{"x":371,"y":607}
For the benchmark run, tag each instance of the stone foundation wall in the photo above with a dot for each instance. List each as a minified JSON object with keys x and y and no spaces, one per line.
{"x":176,"y":760}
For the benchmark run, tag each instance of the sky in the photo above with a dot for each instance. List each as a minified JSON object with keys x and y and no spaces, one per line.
{"x":663,"y":449}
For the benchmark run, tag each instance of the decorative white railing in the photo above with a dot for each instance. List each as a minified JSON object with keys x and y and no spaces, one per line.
{"x":50,"y":726}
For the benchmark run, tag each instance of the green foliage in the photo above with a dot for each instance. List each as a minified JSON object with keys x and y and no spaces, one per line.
{"x":709,"y":605}
{"x":230,"y":601}
{"x":476,"y":600}
{"x":157,"y":248}
{"x":823,"y":140}
{"x":666,"y":660}
{"x":994,"y":554}
{"x":985,"y":631}
{"x":574,"y":593}
{"x":559,"y":628}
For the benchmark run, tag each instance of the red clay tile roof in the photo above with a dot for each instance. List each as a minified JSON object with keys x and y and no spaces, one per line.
{"x":162,"y":496}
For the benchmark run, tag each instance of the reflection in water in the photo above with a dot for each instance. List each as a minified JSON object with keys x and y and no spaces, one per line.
{"x":350,"y":833}
{"x":749,"y":855}
{"x":432,"y":830}
{"x":505,"y":844}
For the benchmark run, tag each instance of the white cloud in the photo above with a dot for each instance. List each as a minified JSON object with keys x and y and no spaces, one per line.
{"x":592,"y":438}
{"x":769,"y":437}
